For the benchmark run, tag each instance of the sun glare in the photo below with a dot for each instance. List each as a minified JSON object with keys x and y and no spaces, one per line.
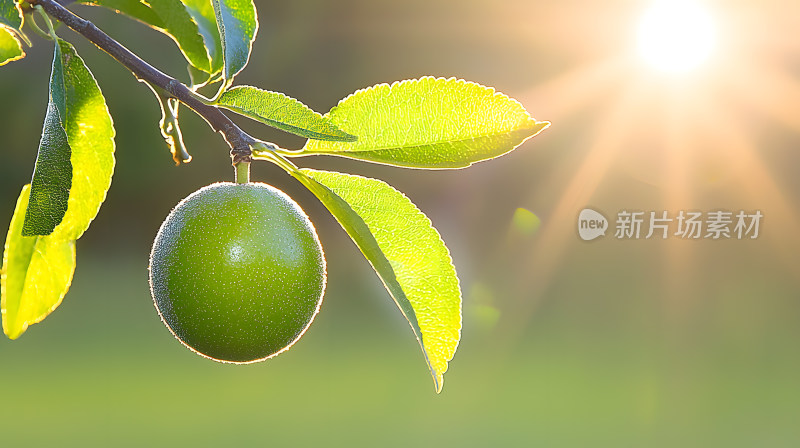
{"x":676,"y":36}
{"x":689,"y":138}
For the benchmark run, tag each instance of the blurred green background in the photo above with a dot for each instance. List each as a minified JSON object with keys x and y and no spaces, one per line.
{"x":609,"y":343}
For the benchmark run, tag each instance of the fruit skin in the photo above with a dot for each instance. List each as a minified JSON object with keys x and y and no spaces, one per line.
{"x":237,"y":272}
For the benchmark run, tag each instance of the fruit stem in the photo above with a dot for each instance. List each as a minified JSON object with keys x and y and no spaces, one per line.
{"x":241,"y":172}
{"x":261,"y":152}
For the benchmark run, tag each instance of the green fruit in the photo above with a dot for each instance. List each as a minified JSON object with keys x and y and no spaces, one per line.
{"x":237,"y":272}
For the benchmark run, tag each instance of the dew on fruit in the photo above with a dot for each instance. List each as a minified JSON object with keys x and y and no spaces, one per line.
{"x":237,"y":272}
{"x":235,"y":253}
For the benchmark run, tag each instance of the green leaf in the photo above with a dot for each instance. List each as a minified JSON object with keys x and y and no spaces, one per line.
{"x":90,"y":134}
{"x":182,"y":27}
{"x":52,"y":176}
{"x":37,"y":272}
{"x":428,"y":123}
{"x":132,"y":8}
{"x":203,"y":14}
{"x":10,"y":14}
{"x":405,"y":251}
{"x":237,"y":23}
{"x":78,"y":134}
{"x":282,"y":112}
{"x":10,"y":47}
{"x":177,"y":21}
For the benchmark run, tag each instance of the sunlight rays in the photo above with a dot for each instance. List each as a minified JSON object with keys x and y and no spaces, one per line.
{"x":774,"y":93}
{"x":758,"y":185}
{"x":692,"y":138}
{"x":558,"y":232}
{"x":569,"y":92}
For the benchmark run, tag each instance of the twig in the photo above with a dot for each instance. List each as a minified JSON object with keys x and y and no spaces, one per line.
{"x":238,"y":140}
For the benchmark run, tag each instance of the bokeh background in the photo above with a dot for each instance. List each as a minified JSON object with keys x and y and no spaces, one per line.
{"x":608,"y":343}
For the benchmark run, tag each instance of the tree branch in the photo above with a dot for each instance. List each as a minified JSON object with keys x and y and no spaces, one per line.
{"x":238,"y":140}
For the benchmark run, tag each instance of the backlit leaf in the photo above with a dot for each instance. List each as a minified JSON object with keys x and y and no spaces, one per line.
{"x":428,"y":123}
{"x":136,"y":9}
{"x":177,"y":21}
{"x":37,"y":272}
{"x":203,"y":14}
{"x":90,"y":134}
{"x":52,"y":175}
{"x":10,"y":14}
{"x":406,"y":252}
{"x":10,"y":46}
{"x":237,"y":23}
{"x":282,"y":112}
